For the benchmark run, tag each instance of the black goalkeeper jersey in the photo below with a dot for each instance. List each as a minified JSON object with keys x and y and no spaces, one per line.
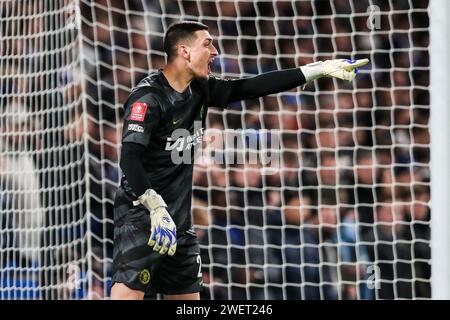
{"x":170,"y":124}
{"x":153,"y":112}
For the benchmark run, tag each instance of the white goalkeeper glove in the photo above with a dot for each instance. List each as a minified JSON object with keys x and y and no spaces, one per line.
{"x":163,"y":236}
{"x":338,"y":68}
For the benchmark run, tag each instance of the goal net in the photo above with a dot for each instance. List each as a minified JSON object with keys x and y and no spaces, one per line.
{"x":344,"y":212}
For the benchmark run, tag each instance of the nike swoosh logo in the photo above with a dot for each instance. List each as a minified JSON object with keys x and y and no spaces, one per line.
{"x":175,"y":122}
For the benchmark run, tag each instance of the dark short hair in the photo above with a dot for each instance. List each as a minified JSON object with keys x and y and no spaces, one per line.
{"x":179,"y":31}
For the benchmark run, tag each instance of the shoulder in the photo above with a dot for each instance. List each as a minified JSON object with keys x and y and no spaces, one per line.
{"x":148,"y":90}
{"x":215,"y":81}
{"x":212,"y":83}
{"x":152,"y":81}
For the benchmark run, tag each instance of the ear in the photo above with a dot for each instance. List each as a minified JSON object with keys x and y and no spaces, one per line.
{"x":184,"y":51}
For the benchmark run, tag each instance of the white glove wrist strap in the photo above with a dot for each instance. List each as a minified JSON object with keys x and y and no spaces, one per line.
{"x":313,"y":71}
{"x":151,"y":200}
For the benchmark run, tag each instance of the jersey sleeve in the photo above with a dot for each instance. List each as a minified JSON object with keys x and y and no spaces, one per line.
{"x":219,"y":92}
{"x":142,"y":114}
{"x":222,"y":92}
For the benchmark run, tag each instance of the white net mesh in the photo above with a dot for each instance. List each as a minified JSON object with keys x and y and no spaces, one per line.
{"x":42,"y":217}
{"x":345,"y":217}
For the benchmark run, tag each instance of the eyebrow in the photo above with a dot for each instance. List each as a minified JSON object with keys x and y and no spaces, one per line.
{"x":208,"y":39}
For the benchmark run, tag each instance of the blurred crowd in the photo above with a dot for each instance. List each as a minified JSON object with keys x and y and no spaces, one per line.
{"x":345,"y":216}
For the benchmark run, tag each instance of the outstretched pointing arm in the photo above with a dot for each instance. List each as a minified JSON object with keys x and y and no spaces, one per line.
{"x":282,"y":80}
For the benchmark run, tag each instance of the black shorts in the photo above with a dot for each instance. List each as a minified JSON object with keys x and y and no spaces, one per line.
{"x":136,"y":265}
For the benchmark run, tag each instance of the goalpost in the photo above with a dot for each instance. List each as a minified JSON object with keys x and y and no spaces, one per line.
{"x":346,"y":214}
{"x":440,"y":149}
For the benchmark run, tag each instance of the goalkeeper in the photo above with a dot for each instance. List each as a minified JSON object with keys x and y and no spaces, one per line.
{"x":155,"y":246}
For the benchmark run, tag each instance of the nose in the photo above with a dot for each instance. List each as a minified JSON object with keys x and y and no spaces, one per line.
{"x":214,"y":51}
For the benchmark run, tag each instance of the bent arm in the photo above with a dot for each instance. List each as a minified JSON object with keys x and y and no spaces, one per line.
{"x":132,"y":167}
{"x":141,"y":116}
{"x":223,"y":92}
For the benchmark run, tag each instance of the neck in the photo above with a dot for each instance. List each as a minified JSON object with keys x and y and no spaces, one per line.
{"x":177,"y":76}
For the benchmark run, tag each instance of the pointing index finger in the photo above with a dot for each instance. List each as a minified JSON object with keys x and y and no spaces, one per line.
{"x":360,"y":63}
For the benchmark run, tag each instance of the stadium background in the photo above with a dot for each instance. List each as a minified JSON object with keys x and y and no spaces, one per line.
{"x":352,"y":192}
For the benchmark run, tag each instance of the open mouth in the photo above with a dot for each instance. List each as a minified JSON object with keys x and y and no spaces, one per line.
{"x":209,"y":65}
